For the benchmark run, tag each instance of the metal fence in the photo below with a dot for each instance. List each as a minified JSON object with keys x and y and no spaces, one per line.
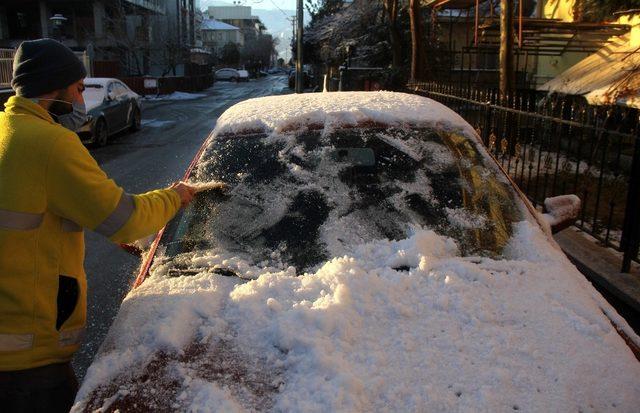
{"x":555,"y":146}
{"x":6,"y":65}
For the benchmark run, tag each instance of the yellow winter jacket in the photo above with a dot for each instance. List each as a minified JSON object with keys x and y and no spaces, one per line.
{"x":50,"y":189}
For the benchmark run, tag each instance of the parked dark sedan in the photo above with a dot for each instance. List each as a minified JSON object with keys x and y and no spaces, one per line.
{"x":112,"y":107}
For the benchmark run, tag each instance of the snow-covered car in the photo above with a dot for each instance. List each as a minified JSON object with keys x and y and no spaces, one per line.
{"x":368,"y":255}
{"x":228,"y":74}
{"x":111,"y":107}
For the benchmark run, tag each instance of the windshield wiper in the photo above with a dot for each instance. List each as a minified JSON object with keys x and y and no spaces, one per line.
{"x":225,"y":272}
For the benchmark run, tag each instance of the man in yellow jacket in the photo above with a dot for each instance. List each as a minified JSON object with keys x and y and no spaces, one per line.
{"x":51,"y":188}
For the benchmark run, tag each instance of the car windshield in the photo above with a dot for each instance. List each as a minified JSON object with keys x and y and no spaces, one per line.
{"x":301,"y":199}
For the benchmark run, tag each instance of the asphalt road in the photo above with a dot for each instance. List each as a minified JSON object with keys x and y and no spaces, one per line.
{"x":156,"y":156}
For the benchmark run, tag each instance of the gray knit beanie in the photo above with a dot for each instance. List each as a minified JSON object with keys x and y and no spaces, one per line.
{"x":44,"y":65}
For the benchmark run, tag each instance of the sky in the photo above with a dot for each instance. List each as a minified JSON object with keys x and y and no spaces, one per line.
{"x":259,"y":4}
{"x":275,"y":20}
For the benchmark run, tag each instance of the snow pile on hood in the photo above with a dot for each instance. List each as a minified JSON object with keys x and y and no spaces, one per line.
{"x":446,"y":333}
{"x":328,"y":110}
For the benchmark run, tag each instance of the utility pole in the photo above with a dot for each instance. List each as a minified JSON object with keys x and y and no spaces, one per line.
{"x":507,"y":73}
{"x":299,"y":77}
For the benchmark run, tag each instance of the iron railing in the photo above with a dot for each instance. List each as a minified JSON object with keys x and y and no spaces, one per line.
{"x":6,"y":65}
{"x":555,"y":146}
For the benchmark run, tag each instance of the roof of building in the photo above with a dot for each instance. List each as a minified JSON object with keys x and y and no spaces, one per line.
{"x":610,"y":76}
{"x":213,"y":24}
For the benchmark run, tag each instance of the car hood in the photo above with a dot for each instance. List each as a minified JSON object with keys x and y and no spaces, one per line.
{"x":399,"y":325}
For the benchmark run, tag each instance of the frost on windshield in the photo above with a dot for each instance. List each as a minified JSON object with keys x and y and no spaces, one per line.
{"x":300,"y":199}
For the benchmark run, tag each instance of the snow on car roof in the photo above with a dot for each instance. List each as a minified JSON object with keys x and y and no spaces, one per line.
{"x":102,"y":81}
{"x":327,"y":110}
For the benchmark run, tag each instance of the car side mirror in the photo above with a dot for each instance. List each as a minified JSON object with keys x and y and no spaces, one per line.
{"x":561,"y":212}
{"x":132,"y":249}
{"x":111,"y":96}
{"x":140,"y":247}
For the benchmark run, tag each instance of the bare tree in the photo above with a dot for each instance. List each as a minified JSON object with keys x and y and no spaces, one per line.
{"x":230,"y":54}
{"x":131,"y":47}
{"x":259,"y":52}
{"x":507,"y":73}
{"x":391,"y":8}
{"x":141,"y":40}
{"x":418,"y":52}
{"x":172,"y":53}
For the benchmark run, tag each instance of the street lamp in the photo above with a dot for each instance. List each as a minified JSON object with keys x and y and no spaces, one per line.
{"x":58,"y":20}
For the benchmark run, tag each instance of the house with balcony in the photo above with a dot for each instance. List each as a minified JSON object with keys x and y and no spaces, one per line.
{"x":548,"y":36}
{"x":611,"y":75}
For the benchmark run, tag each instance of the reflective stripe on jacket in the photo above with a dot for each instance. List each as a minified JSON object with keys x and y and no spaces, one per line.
{"x":50,"y":189}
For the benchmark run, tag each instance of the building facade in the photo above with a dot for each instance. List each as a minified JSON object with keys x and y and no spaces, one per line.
{"x":239,"y":16}
{"x":74,"y":23}
{"x":216,"y":34}
{"x":125,"y":37}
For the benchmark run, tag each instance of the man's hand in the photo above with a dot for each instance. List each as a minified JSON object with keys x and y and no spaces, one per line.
{"x":186,"y":192}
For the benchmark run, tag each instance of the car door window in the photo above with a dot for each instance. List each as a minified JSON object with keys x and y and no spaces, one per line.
{"x":123,"y":91}
{"x":111,"y":90}
{"x":118,"y":91}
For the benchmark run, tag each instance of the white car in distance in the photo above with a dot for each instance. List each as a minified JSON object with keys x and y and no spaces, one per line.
{"x":228,"y":74}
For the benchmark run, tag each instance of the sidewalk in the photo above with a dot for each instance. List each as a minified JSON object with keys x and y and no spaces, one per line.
{"x":602,"y":267}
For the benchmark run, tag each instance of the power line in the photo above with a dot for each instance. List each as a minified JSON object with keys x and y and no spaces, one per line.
{"x":278,"y":7}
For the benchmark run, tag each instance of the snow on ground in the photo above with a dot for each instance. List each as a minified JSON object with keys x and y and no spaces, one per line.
{"x":176,"y":96}
{"x":327,"y":110}
{"x":451,"y":334}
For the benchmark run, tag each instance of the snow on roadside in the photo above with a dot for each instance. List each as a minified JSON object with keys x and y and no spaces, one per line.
{"x":451,"y":334}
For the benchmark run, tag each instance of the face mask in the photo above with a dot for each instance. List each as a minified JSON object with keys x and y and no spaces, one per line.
{"x":70,"y":115}
{"x":76,"y":118}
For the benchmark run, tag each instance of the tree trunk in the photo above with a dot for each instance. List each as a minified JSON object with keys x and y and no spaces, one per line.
{"x":391,"y":7}
{"x":396,"y":46}
{"x":507,"y":72}
{"x":418,"y":56}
